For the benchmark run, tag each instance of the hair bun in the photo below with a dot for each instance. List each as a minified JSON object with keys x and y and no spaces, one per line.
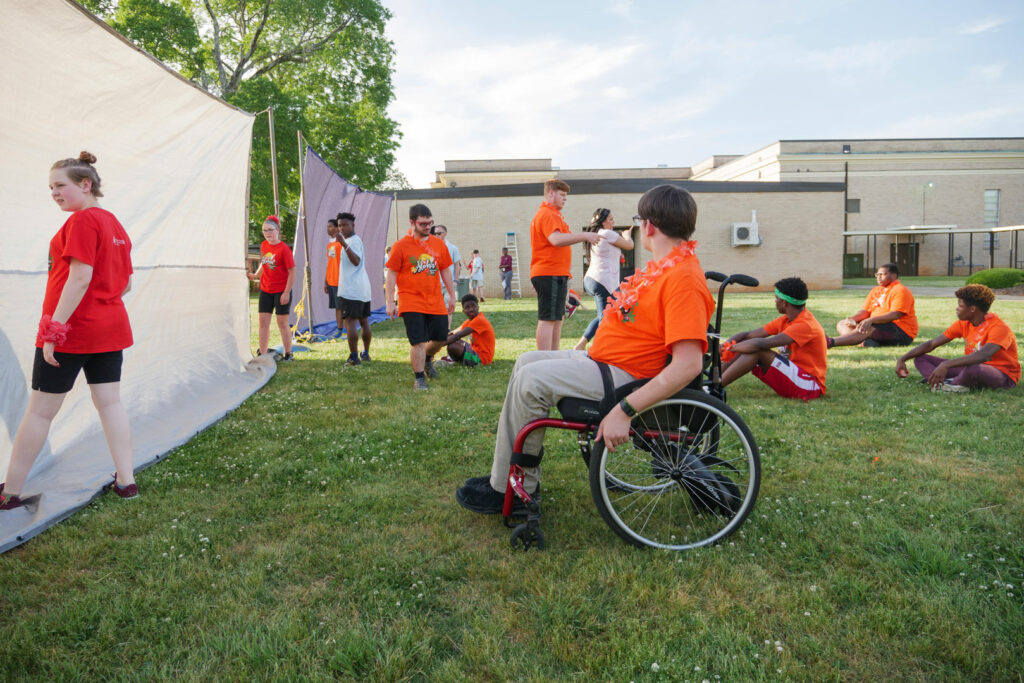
{"x":87,"y":157}
{"x":273,"y":219}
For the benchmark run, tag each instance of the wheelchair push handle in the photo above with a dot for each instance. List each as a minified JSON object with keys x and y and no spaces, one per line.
{"x":745,"y":280}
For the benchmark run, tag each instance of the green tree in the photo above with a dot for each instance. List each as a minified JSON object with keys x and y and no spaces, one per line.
{"x":324,"y":66}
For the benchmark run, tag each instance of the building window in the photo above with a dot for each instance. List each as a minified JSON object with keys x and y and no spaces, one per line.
{"x":852,"y":206}
{"x":991,"y":218}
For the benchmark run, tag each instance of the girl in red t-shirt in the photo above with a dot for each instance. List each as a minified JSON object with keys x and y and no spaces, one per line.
{"x":84,"y":327}
{"x":276,"y":275}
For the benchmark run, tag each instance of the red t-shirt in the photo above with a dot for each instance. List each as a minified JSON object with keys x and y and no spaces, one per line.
{"x":991,"y":331}
{"x":419,"y":265}
{"x":100,"y":322}
{"x":483,"y":337}
{"x":893,"y":297}
{"x":677,"y":306}
{"x":546,"y":258}
{"x":809,"y":345}
{"x":277,"y":260}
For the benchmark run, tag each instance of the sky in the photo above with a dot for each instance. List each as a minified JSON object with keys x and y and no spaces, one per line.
{"x":635,"y":83}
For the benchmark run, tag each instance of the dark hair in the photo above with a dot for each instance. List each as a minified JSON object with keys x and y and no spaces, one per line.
{"x":333,"y":221}
{"x":555,"y":184}
{"x":419,"y":211}
{"x":595,"y":222}
{"x":671,"y":209}
{"x":346,"y":216}
{"x":976,"y":295}
{"x":892,"y":268}
{"x":81,"y":168}
{"x":794,"y":287}
{"x":470,"y":297}
{"x":438,"y":226}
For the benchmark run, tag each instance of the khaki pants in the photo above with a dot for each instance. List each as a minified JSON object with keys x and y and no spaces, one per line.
{"x":540,"y":379}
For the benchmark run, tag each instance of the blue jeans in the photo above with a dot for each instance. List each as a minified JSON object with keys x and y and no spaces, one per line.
{"x":601,"y":296}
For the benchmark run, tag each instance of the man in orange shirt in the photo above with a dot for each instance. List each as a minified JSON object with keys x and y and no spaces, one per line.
{"x":550,"y":262}
{"x":990,"y":349}
{"x":661,"y":313}
{"x":332,"y":272}
{"x":887,"y":319}
{"x":481,"y":350}
{"x":799,"y":370}
{"x":418,"y":265}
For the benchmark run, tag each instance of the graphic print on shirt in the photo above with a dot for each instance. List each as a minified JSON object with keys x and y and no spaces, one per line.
{"x":269,"y":261}
{"x":331,"y":251}
{"x":971,"y":343}
{"x":424,"y":264}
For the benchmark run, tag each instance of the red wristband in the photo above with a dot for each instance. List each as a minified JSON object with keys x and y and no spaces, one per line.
{"x":52,"y":331}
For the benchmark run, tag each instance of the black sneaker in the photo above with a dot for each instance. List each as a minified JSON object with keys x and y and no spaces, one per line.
{"x":353,"y":360}
{"x":364,"y":356}
{"x":286,"y":358}
{"x":429,"y":369}
{"x":480,"y":497}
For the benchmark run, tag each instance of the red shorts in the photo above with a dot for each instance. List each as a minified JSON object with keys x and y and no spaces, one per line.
{"x":788,"y":380}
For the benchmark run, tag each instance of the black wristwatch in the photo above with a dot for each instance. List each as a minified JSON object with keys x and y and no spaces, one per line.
{"x":629,"y":410}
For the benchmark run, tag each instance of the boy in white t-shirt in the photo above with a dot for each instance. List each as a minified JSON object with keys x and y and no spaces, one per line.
{"x":353,"y":289}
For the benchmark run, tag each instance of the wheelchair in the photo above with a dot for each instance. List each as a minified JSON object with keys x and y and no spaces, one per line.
{"x":688,"y":476}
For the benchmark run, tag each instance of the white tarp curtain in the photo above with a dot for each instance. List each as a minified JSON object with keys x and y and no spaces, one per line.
{"x":325,"y":195}
{"x":174,"y":166}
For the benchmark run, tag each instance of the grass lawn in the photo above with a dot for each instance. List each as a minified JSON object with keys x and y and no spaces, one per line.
{"x":313,"y":534}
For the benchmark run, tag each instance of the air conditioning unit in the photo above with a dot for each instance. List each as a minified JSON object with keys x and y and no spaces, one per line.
{"x":746,"y":234}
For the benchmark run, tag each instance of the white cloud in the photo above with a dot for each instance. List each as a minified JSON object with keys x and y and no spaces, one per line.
{"x":981,"y":26}
{"x":622,"y":8}
{"x":989,"y":72}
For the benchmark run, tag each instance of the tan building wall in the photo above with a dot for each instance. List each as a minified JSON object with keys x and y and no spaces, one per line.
{"x":801,"y":232}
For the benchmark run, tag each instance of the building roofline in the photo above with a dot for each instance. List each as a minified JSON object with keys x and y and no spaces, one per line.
{"x":589,"y":186}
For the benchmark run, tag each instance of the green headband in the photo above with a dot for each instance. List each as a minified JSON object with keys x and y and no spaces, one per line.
{"x":792,"y":300}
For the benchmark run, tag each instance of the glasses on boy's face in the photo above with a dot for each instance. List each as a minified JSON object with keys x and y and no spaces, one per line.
{"x":637,"y":221}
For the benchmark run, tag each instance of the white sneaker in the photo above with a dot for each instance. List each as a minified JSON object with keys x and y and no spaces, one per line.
{"x":951,"y":388}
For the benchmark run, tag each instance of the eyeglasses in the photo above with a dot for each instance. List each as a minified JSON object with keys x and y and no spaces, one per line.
{"x":637,"y":221}
{"x":424,"y":224}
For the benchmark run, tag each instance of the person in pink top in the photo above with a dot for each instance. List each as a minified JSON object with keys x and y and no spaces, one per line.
{"x":990,"y":350}
{"x":84,"y":328}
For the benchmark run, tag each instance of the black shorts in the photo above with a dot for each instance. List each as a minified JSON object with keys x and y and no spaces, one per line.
{"x":100,"y":368}
{"x":271,"y":303}
{"x":350,"y":308}
{"x":424,"y":327}
{"x":889,"y":334}
{"x":332,"y":296}
{"x":551,"y":293}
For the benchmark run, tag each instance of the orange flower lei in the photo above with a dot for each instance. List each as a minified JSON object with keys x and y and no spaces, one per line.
{"x":626,"y":297}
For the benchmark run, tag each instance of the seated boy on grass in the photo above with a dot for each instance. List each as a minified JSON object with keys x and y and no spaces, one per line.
{"x":480,"y":350}
{"x":797,"y":369}
{"x":990,"y":349}
{"x":663,"y":310}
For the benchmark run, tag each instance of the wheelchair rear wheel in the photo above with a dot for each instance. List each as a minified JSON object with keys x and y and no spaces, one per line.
{"x":688,"y":477}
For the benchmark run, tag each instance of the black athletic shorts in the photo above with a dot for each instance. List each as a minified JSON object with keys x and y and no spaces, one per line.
{"x":889,"y":334}
{"x":332,"y":296}
{"x":424,"y":327}
{"x":551,"y":293}
{"x":100,"y":368}
{"x":350,"y":308}
{"x":271,"y":303}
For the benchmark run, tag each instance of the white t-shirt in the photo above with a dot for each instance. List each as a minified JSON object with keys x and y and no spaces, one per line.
{"x":354,"y":283}
{"x":453,"y":251}
{"x":478,"y":268}
{"x":604,"y":260}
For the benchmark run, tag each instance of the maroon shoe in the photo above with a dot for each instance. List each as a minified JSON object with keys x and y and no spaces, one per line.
{"x":126,"y":492}
{"x":10,"y":502}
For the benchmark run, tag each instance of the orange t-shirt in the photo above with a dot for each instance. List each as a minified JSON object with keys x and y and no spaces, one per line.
{"x":483,"y":337}
{"x":333,"y":262}
{"x":675,"y":307}
{"x":419,"y":266}
{"x":992,"y":331}
{"x":546,"y":258}
{"x":808,"y":347}
{"x":894,"y":297}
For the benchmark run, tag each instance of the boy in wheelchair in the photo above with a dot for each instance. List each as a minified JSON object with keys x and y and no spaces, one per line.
{"x":655,"y":328}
